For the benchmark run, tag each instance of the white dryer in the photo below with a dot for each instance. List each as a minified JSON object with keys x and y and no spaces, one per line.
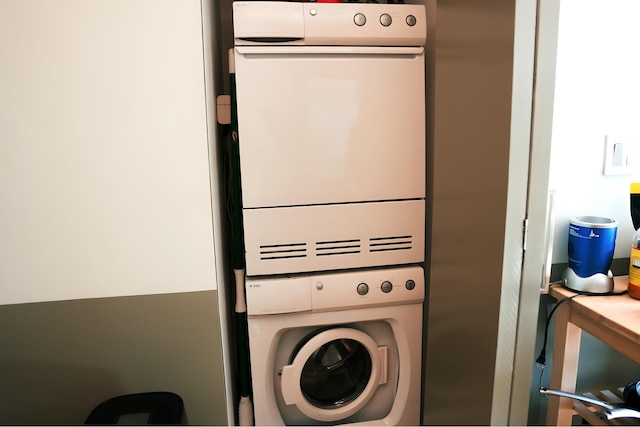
{"x":342,"y":348}
{"x":332,"y":137}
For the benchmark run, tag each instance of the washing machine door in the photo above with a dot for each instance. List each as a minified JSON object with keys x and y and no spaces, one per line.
{"x":334,"y":374}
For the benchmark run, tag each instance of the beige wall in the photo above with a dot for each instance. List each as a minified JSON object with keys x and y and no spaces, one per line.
{"x":60,"y":359}
{"x":472,"y":122}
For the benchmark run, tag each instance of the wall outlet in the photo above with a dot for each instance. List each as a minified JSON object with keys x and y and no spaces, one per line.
{"x":619,"y":155}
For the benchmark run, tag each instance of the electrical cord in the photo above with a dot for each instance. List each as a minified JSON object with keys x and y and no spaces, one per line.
{"x":542,"y":356}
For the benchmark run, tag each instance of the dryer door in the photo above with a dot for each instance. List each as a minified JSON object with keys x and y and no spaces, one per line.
{"x":334,"y":374}
{"x":322,"y":125}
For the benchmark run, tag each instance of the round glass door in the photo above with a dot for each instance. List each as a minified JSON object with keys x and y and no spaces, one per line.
{"x":336,"y":373}
{"x":333,"y":374}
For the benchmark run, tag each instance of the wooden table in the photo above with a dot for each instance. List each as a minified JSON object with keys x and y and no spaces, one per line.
{"x":614,"y":320}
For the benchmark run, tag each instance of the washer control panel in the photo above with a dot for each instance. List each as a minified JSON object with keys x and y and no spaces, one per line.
{"x":337,"y":291}
{"x":368,"y":288}
{"x":385,"y":286}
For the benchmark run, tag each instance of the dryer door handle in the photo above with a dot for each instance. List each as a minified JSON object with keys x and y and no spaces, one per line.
{"x":290,"y":389}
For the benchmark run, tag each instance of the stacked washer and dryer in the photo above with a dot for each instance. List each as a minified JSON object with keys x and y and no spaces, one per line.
{"x":331,"y":122}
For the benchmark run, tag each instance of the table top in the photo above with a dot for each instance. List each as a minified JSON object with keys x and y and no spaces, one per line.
{"x":618,"y":313}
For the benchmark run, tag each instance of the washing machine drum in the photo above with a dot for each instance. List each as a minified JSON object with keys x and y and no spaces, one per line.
{"x":334,"y":373}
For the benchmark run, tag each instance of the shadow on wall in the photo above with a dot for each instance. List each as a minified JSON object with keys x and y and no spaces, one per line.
{"x":53,"y":393}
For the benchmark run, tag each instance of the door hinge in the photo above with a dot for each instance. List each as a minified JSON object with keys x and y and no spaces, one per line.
{"x":525,"y":232}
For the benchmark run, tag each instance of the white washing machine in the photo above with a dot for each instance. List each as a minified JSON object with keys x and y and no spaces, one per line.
{"x":335,"y":349}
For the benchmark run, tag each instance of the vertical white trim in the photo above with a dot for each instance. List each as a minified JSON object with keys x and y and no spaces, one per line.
{"x":521,"y":110}
{"x":535,"y":257}
{"x":211,"y":64}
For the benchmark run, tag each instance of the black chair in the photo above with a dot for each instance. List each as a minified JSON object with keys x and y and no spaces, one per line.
{"x":140,"y":409}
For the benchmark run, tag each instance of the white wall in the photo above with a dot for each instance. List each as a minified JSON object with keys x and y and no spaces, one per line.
{"x":597,"y":94}
{"x":104,"y":156}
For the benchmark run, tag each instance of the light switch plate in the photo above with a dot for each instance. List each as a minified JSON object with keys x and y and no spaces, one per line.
{"x":618,"y":159}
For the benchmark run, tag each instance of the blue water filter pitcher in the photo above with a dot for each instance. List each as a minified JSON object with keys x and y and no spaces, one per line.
{"x":592,"y":241}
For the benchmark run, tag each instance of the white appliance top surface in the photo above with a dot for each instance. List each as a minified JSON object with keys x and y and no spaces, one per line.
{"x":336,"y":291}
{"x":347,"y":24}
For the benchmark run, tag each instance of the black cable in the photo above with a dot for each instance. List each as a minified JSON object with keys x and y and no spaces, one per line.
{"x":542,"y":356}
{"x":595,"y":294}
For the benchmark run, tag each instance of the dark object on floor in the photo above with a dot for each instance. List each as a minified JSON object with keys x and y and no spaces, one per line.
{"x":140,"y":409}
{"x":631,"y":395}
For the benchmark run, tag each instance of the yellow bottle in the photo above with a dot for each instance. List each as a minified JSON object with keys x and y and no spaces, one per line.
{"x":634,"y":261}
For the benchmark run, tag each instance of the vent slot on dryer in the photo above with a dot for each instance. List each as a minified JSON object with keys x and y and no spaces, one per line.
{"x":338,"y":247}
{"x":283,"y":251}
{"x":392,"y":243}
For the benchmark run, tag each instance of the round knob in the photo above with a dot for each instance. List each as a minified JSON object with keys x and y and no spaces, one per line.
{"x":410,"y":20}
{"x":410,"y":284}
{"x":362,"y":289}
{"x":360,"y":19}
{"x":386,"y":286}
{"x":385,"y":19}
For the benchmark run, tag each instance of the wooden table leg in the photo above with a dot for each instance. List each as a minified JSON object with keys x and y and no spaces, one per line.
{"x":564,"y":367}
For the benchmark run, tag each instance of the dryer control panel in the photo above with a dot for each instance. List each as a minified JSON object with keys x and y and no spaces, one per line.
{"x":334,"y":24}
{"x":337,"y":291}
